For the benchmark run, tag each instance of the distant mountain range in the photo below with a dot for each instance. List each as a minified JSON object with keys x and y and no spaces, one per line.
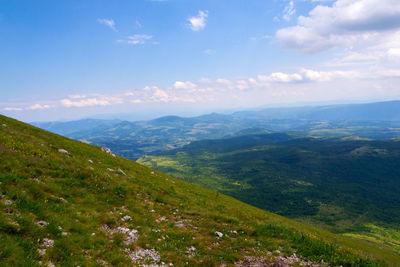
{"x":133,"y":139}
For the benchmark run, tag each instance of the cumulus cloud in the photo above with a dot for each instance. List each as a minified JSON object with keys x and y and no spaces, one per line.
{"x":12,"y":109}
{"x":160,"y":95}
{"x":275,"y":86}
{"x":93,"y":101}
{"x":198,"y":23}
{"x":136,"y":39}
{"x":38,"y":106}
{"x":307,"y":75}
{"x":109,"y":23}
{"x":184,"y":85}
{"x":341,"y":25}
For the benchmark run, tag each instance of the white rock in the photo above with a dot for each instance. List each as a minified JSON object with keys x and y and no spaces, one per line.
{"x":121,"y":171}
{"x":219,"y":234}
{"x":143,"y":255}
{"x":36,"y":180}
{"x":42,"y":223}
{"x":190,"y":251}
{"x":127,"y":218}
{"x":91,"y":161}
{"x":63,"y":151}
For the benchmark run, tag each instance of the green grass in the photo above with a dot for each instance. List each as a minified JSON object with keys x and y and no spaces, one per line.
{"x":79,"y":200}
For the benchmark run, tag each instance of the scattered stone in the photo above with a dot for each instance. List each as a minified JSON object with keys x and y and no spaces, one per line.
{"x":219,"y":234}
{"x":91,"y":161}
{"x":190,"y":252}
{"x":107,"y":150}
{"x":42,"y":224}
{"x":62,"y":199}
{"x":270,"y":261}
{"x":7,"y":202}
{"x":110,"y":170}
{"x":131,"y":235}
{"x":152,"y":211}
{"x":47,"y":243}
{"x":93,"y":234}
{"x":65,"y":233}
{"x":36,"y":180}
{"x":102,"y":262}
{"x":4,"y":125}
{"x":151,"y":172}
{"x":143,"y":255}
{"x":63,"y":151}
{"x":121,"y":171}
{"x":127,"y":218}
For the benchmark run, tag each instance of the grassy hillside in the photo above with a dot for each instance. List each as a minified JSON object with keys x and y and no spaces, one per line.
{"x":66,"y":203}
{"x":344,"y":185}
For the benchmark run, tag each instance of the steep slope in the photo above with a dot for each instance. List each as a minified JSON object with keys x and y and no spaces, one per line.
{"x":344,"y":185}
{"x":67,"y":203}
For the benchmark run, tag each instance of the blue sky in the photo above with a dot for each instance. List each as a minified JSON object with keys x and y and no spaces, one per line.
{"x":72,"y":59}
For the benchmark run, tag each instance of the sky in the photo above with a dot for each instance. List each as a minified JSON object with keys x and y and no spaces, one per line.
{"x":69,"y":59}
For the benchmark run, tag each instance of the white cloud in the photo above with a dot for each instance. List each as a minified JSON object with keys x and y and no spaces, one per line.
{"x":307,"y":75}
{"x":289,"y":11}
{"x":279,"y":77}
{"x":93,"y":101}
{"x":184,"y":85}
{"x":12,"y":109}
{"x":109,"y":23}
{"x":160,"y":95}
{"x":38,"y":106}
{"x":198,"y":23}
{"x":136,"y":39}
{"x":344,"y":24}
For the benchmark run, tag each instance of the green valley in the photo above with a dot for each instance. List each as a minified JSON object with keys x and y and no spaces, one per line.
{"x":346,"y":185}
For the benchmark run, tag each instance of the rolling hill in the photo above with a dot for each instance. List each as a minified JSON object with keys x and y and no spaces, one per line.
{"x":67,"y":203}
{"x":135,"y":139}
